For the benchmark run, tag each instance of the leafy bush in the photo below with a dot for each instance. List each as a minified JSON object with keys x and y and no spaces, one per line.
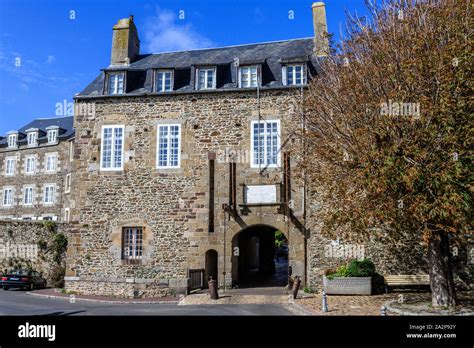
{"x":355,"y":268}
{"x":57,"y":276}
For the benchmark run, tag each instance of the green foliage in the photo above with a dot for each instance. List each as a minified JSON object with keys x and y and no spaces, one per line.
{"x":355,"y":268}
{"x":280,"y":239}
{"x":59,"y":247}
{"x":57,"y":276}
{"x":50,"y":225}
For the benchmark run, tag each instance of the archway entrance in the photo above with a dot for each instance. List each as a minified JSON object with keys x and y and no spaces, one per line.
{"x":211,"y":267}
{"x":260,"y":257}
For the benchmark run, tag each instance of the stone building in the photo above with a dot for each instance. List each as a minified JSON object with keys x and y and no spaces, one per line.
{"x":186,"y":164}
{"x":36,"y":170}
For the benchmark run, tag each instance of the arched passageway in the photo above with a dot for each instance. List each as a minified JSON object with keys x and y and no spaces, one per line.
{"x":260,"y":257}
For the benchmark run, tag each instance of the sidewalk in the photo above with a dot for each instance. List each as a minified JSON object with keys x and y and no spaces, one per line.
{"x":54,"y":293}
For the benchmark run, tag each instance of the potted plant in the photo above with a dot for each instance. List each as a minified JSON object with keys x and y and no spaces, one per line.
{"x":354,"y":278}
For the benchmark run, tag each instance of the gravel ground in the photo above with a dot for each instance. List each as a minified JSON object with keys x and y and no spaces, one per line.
{"x":371,"y":305}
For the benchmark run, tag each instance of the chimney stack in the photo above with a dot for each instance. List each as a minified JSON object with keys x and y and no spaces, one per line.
{"x":321,"y":44}
{"x":125,"y":42}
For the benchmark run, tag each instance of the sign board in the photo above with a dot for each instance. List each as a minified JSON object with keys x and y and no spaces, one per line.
{"x":260,"y":194}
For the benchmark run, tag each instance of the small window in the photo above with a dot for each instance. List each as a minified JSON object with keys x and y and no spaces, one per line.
{"x":248,"y":76}
{"x":67,"y":184}
{"x":30,"y":166}
{"x":112,"y":148}
{"x":32,"y":136}
{"x":28,"y":197}
{"x":10,"y":166}
{"x":169,"y":146}
{"x":8,"y":197}
{"x":116,"y":83}
{"x":206,"y":78}
{"x":51,"y":163}
{"x":52,"y":136}
{"x":71,"y":151}
{"x":295,"y":75}
{"x":49,"y":194}
{"x":132,"y":238}
{"x":67,"y":214}
{"x":164,"y":80}
{"x":12,"y":140}
{"x":265,"y":148}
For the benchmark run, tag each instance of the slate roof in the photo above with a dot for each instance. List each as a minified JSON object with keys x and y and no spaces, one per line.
{"x":65,"y":124}
{"x":272,"y":56}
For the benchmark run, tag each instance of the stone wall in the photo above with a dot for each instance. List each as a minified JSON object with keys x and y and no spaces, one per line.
{"x":27,"y":244}
{"x":172,"y":204}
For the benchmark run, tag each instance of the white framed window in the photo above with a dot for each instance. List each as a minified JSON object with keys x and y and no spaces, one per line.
{"x":30,"y":165}
{"x":67,"y":214}
{"x":116,"y":83}
{"x":265,"y":146}
{"x":52,"y":136}
{"x":132,"y":238}
{"x":71,"y":150}
{"x":164,"y":80}
{"x":51,"y":163}
{"x":28,"y":196}
{"x":8,"y":197}
{"x":206,"y":78}
{"x":294,"y":75}
{"x":67,"y":183}
{"x":12,"y":140}
{"x":32,"y":137}
{"x":169,"y":146}
{"x":10,"y":166}
{"x":48,"y":197}
{"x":112,"y":148}
{"x":248,"y":76}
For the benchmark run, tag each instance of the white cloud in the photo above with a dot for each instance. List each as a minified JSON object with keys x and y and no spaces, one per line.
{"x":165,"y":33}
{"x":50,"y":60}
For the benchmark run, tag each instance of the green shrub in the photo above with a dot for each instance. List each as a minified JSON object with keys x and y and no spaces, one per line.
{"x":355,"y":268}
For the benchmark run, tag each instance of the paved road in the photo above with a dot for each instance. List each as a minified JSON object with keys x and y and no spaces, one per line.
{"x":17,"y":302}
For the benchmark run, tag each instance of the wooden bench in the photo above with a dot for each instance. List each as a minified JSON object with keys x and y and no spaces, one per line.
{"x":406,"y":280}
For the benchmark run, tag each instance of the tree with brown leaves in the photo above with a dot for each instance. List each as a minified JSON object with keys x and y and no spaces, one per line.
{"x":389,"y":129}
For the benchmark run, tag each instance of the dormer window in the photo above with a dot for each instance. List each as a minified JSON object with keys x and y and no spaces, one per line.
{"x":12,"y":140}
{"x":164,"y":80}
{"x":206,"y":78}
{"x":32,"y":137}
{"x":52,"y":136}
{"x":116,"y":83}
{"x":248,"y":76}
{"x":294,"y":75}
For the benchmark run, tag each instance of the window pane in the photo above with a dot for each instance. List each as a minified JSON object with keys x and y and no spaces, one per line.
{"x":118,"y":136}
{"x":107,"y":148}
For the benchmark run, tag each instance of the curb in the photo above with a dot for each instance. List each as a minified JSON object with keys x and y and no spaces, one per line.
{"x":415,"y":314}
{"x":99,"y":301}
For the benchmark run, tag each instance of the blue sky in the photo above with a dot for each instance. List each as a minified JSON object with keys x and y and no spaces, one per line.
{"x":46,"y":56}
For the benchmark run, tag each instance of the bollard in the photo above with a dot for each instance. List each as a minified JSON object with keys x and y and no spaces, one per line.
{"x":213,"y":289}
{"x":296,"y":286}
{"x":325,"y":302}
{"x":290,"y":281}
{"x":383,"y":311}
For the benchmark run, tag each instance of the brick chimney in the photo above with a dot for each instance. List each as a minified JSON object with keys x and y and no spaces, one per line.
{"x":321,"y":45}
{"x":125,"y":42}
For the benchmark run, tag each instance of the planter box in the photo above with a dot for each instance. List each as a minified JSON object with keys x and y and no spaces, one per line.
{"x":348,"y":285}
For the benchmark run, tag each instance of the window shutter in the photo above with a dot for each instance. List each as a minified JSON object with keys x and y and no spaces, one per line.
{"x":283,"y":75}
{"x":215,"y":78}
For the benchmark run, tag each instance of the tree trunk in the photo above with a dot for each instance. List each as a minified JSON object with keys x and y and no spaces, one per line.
{"x":441,"y":274}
